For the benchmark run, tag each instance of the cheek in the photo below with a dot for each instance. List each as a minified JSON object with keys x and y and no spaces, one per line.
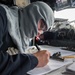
{"x":40,"y":32}
{"x":38,"y":35}
{"x":38,"y":26}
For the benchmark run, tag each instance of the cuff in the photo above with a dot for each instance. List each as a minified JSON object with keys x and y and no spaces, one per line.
{"x":34,"y":61}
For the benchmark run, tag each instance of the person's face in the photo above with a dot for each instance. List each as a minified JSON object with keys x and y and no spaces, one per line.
{"x":41,"y":27}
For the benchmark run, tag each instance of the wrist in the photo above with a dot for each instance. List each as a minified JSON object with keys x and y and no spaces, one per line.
{"x":34,"y":60}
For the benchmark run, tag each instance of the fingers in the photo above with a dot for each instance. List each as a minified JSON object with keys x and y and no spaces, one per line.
{"x":43,"y":57}
{"x":47,"y":55}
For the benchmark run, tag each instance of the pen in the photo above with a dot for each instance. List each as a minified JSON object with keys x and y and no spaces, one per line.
{"x":34,"y":43}
{"x":37,"y":47}
{"x":71,"y":56}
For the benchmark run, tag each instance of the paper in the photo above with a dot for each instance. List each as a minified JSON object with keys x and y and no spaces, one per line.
{"x":71,"y":67}
{"x":57,"y":49}
{"x":53,"y":64}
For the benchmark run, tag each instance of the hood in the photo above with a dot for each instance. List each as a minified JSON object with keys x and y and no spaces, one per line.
{"x":23,"y":26}
{"x":31,"y":14}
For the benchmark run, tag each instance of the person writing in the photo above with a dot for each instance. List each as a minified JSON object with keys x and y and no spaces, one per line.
{"x":17,"y":27}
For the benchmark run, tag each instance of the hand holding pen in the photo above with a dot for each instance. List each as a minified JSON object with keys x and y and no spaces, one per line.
{"x":43,"y":56}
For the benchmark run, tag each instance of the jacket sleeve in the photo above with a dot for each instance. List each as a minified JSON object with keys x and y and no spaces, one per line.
{"x":17,"y":64}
